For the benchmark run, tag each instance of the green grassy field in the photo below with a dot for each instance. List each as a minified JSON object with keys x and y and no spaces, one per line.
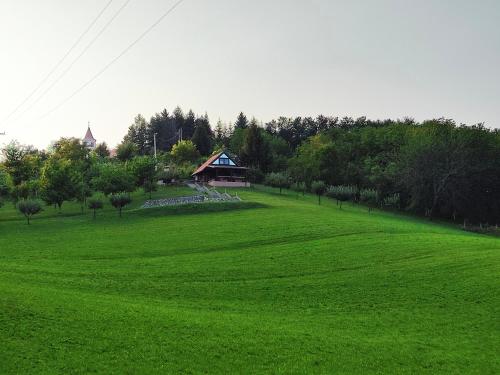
{"x":284,"y":287}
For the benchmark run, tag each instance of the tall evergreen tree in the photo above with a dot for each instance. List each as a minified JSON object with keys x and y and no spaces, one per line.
{"x":178,"y":117}
{"x":241,"y":121}
{"x":164,"y":126}
{"x":139,"y":134}
{"x":189,"y":125}
{"x":255,"y":150}
{"x":203,"y":135}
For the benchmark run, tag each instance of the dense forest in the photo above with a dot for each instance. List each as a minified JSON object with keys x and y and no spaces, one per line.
{"x":435,"y":168}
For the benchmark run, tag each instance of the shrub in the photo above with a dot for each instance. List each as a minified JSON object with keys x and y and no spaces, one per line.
{"x":5,"y":184}
{"x":318,"y":188}
{"x":299,"y":187}
{"x":255,"y":176}
{"x":113,"y":179}
{"x":279,"y":180}
{"x":369,"y":197}
{"x":391,"y":200}
{"x":119,"y":201}
{"x":185,"y":152}
{"x":29,"y":208}
{"x":95,"y":204}
{"x":342,"y":193}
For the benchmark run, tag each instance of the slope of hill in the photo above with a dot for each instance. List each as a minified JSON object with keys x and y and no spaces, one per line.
{"x":291,"y":287}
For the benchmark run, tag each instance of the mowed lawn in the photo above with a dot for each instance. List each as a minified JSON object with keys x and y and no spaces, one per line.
{"x":288,"y":287}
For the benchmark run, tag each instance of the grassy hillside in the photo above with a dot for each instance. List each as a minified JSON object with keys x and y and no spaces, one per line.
{"x":284,"y":287}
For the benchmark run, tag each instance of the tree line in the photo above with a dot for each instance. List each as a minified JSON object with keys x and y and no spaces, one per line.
{"x":435,"y":168}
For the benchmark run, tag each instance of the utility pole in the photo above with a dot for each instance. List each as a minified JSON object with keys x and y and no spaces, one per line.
{"x":154,"y":142}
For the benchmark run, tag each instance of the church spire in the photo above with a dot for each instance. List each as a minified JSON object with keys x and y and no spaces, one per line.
{"x":89,"y":139}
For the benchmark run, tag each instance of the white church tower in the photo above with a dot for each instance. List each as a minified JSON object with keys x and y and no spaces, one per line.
{"x":89,"y":139}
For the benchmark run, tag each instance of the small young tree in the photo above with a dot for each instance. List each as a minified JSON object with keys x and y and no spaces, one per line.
{"x":318,"y":188}
{"x":342,"y":193}
{"x":369,"y":197}
{"x":119,"y":201}
{"x":144,"y":170}
{"x":29,"y":208}
{"x":391,"y":200}
{"x":95,"y":204}
{"x":299,"y":187}
{"x":59,"y":181}
{"x":278,"y":180}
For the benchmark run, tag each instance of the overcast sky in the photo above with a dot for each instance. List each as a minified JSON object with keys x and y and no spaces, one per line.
{"x":375,"y":58}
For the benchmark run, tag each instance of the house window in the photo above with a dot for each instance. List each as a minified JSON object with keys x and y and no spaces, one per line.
{"x":224,"y":161}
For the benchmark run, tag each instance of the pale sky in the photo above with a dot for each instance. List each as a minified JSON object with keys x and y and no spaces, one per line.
{"x":375,"y":58}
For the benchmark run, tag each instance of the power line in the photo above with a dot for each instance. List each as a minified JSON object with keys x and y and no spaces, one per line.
{"x":68,"y":68}
{"x":78,"y":40}
{"x":121,"y":54}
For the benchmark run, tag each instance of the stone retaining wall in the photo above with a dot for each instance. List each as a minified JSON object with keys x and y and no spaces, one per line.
{"x":175,"y":201}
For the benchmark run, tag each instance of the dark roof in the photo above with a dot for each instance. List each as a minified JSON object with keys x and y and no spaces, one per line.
{"x":88,"y":135}
{"x":213,"y":158}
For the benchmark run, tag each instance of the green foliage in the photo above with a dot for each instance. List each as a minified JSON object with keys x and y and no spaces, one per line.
{"x":185,"y":152}
{"x":29,"y":208}
{"x":139,"y":135}
{"x":203,"y":136}
{"x":113,"y":178}
{"x":241,"y":122}
{"x":255,"y":150}
{"x":102,"y":150}
{"x":255,"y":175}
{"x":237,"y":140}
{"x":5,"y":184}
{"x":163,"y":125}
{"x":279,"y":180}
{"x":299,"y":187}
{"x":59,"y":181}
{"x":144,"y":169}
{"x":369,"y":197}
{"x":71,"y":149}
{"x":126,"y":151}
{"x":392,"y":200}
{"x":14,"y":162}
{"x":318,"y":188}
{"x":305,"y":166}
{"x":186,"y":124}
{"x":119,"y":201}
{"x":342,"y":193}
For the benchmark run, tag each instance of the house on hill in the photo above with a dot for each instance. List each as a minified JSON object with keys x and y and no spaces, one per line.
{"x":221,"y":170}
{"x":89,"y":139}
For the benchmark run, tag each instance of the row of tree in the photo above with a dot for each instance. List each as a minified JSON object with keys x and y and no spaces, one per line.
{"x":436,"y":168}
{"x":69,"y":171}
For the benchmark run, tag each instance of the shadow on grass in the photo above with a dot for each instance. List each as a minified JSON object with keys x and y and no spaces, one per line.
{"x":195,"y":209}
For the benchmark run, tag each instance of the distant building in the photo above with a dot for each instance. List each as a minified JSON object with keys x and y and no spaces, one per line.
{"x":221,"y":170}
{"x":89,"y":139}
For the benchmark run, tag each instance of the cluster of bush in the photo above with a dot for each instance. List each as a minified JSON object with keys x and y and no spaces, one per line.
{"x":31,"y":207}
{"x":341,"y":193}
